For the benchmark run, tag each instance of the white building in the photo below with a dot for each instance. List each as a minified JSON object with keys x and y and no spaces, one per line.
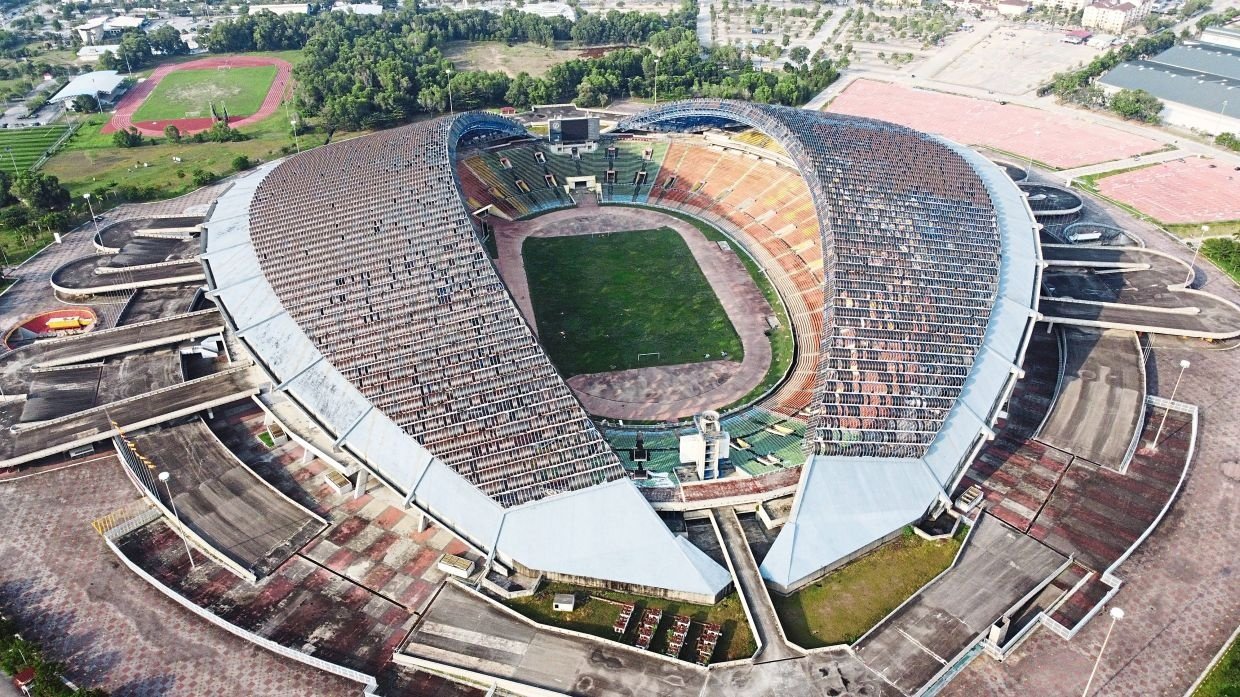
{"x":706,"y":447}
{"x":1114,"y":16}
{"x":107,"y":29}
{"x":104,"y":85}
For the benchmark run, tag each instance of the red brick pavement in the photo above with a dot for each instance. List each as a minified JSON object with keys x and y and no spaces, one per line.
{"x":1193,"y":190}
{"x":1056,"y":139}
{"x":112,"y":628}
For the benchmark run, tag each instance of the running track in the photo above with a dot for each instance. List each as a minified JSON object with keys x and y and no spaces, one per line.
{"x":125,"y":109}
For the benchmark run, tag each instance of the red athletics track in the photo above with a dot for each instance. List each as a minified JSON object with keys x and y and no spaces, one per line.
{"x":123,"y":116}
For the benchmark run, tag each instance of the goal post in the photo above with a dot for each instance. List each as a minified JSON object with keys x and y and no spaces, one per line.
{"x":642,"y":356}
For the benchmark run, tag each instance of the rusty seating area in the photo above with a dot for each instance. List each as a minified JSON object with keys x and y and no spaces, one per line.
{"x":399,"y":264}
{"x":651,"y":617}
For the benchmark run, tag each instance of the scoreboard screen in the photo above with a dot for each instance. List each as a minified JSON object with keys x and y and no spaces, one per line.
{"x":578,"y":130}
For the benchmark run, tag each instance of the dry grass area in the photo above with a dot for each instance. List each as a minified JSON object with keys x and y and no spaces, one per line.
{"x":496,"y":55}
{"x":844,"y":604}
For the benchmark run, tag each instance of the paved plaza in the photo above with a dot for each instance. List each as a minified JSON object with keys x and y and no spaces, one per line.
{"x":1056,"y":139}
{"x":1191,"y":190}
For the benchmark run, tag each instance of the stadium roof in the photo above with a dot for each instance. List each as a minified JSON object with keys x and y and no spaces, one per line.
{"x":354,"y":276}
{"x":90,"y":84}
{"x":1197,"y":75}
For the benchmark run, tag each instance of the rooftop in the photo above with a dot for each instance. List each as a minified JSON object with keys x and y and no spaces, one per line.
{"x":90,"y":84}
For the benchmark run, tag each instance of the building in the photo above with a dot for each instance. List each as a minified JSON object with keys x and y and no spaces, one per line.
{"x":93,"y":52}
{"x":292,"y":8}
{"x":1199,"y":84}
{"x":706,"y":447}
{"x":358,"y":8}
{"x":1223,"y":37}
{"x":1012,"y":8}
{"x":385,"y":322}
{"x":1114,"y":16}
{"x":107,"y":29}
{"x":106,"y":86}
{"x":1061,"y":5}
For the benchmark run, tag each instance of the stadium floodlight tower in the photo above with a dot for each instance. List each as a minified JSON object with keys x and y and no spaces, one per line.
{"x":707,"y":446}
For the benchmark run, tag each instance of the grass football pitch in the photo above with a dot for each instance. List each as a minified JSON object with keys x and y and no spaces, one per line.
{"x":189,"y":93}
{"x":601,"y":300}
{"x":22,"y":147}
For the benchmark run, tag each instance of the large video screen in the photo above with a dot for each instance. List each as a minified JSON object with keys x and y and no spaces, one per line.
{"x":577,"y":130}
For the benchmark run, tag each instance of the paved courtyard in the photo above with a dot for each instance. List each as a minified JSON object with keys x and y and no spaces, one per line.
{"x":1054,"y":138}
{"x":113,"y":629}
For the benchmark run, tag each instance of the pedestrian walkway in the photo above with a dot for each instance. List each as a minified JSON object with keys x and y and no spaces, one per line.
{"x":745,"y":571}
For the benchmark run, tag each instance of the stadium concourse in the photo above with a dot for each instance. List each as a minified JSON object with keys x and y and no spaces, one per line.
{"x":355,"y":407}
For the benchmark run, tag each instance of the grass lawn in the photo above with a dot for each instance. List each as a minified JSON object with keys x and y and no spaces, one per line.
{"x":596,"y":617}
{"x":600,"y":300}
{"x":497,"y":55}
{"x":1193,"y":231}
{"x":90,"y":160}
{"x":1223,"y":679}
{"x":22,"y":147}
{"x":190,"y":92}
{"x":782,"y":344}
{"x":1225,"y":253}
{"x":844,"y":604}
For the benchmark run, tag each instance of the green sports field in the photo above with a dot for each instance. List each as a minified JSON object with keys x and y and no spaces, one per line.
{"x":189,"y":93}
{"x":24,"y":146}
{"x":600,"y":300}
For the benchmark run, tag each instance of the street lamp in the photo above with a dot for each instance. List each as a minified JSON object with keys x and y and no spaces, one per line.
{"x":1116,"y":615}
{"x":656,"y":82}
{"x":1167,"y":410}
{"x":1192,"y":274}
{"x":450,"y":109}
{"x":11,"y":159}
{"x":164,"y":477}
{"x":91,"y":208}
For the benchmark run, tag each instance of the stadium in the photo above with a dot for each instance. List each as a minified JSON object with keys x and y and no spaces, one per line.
{"x":895,"y":384}
{"x":704,"y":356}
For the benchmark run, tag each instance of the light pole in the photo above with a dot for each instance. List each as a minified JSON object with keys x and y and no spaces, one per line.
{"x":450,"y":109}
{"x":656,"y":82}
{"x":1116,"y":615}
{"x":1192,"y":274}
{"x":1158,"y":436}
{"x":164,"y":477}
{"x":91,"y":208}
{"x":12,"y":160}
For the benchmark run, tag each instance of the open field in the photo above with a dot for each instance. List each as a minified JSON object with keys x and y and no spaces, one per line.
{"x":189,"y":93}
{"x":22,"y":147}
{"x":90,"y":160}
{"x":783,"y":345}
{"x":600,"y":300}
{"x":1058,"y":140}
{"x":497,"y":55}
{"x":594,"y":616}
{"x":1013,"y":59}
{"x":844,"y":604}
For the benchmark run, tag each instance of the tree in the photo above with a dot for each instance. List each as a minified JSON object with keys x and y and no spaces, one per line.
{"x":84,"y":103}
{"x":127,"y":138}
{"x":241,"y":163}
{"x":166,"y":40}
{"x":172,"y":133}
{"x":1228,"y":140}
{"x":41,"y":191}
{"x":798,"y":54}
{"x":1138,"y":105}
{"x":134,"y":50}
{"x":202,"y":177}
